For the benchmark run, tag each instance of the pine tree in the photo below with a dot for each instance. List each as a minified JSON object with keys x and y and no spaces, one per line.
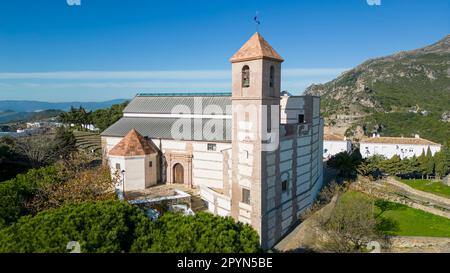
{"x":429,"y":167}
{"x":422,"y":161}
{"x":441,"y":164}
{"x":413,"y":167}
{"x":393,"y":166}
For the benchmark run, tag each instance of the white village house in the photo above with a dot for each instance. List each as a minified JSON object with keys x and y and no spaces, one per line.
{"x":401,"y":146}
{"x":253,"y":154}
{"x":334,"y":144}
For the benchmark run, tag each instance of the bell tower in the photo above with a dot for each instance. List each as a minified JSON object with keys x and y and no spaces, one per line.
{"x":256,"y":79}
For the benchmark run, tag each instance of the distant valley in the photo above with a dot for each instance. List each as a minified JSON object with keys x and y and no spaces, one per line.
{"x":21,"y":110}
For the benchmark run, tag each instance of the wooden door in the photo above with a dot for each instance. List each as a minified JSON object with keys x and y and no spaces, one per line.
{"x":178,"y":174}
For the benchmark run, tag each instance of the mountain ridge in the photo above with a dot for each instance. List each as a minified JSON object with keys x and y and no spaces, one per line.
{"x":408,"y":82}
{"x":35,"y":106}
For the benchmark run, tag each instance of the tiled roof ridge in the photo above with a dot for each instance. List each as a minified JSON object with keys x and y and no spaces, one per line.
{"x":333,"y":136}
{"x":400,"y":140}
{"x":256,"y":48}
{"x":133,"y":144}
{"x":185,"y":94}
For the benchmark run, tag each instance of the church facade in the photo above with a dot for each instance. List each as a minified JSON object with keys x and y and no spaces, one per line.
{"x":255,"y":154}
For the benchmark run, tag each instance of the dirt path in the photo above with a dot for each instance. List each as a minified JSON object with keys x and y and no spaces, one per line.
{"x":391,"y":191}
{"x":424,"y":196}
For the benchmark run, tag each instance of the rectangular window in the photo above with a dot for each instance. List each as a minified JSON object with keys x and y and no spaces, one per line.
{"x":212,"y":147}
{"x":150,"y":164}
{"x":269,"y":121}
{"x":246,"y":196}
{"x":117,"y":166}
{"x":301,"y":118}
{"x":284,"y":185}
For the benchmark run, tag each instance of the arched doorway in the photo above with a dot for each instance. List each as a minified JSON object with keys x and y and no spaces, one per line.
{"x":178,"y":174}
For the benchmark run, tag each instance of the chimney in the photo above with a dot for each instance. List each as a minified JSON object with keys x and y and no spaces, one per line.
{"x":416,"y":136}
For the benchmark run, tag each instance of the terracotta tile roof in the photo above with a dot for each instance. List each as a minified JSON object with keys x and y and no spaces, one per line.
{"x":133,"y":144}
{"x":255,"y":48}
{"x":333,"y":137}
{"x":398,"y":140}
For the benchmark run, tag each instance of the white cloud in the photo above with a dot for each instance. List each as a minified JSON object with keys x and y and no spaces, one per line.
{"x":127,"y":85}
{"x":130,"y":75}
{"x":175,"y":75}
{"x":312,"y":72}
{"x":62,"y":83}
{"x":73,"y":2}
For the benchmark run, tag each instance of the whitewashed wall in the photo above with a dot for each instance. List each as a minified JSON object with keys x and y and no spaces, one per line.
{"x":217,"y":203}
{"x":111,"y":142}
{"x":389,"y":150}
{"x":333,"y":147}
{"x":135,"y":173}
{"x":207,"y":166}
{"x":288,"y":112}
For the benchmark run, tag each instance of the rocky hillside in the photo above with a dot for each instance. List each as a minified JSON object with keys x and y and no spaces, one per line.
{"x":410,"y":83}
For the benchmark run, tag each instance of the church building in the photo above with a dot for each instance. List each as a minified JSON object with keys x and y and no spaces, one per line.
{"x":254,"y":154}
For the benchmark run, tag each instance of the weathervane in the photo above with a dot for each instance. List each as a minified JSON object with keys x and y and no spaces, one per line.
{"x":257,"y":22}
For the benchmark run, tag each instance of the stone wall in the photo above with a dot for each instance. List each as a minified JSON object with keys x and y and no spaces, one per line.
{"x":378,"y":191}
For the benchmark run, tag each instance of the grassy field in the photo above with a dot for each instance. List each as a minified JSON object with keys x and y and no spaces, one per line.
{"x":88,"y":141}
{"x":403,"y":220}
{"x":428,"y":186}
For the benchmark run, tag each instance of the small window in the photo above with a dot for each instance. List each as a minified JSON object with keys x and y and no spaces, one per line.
{"x":150,"y":164}
{"x":246,"y":196}
{"x":301,"y":118}
{"x":117,"y":166}
{"x":284,"y":185}
{"x":212,"y":147}
{"x":272,"y":76}
{"x":246,"y":76}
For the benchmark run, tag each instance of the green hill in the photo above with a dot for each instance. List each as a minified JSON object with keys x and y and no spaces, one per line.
{"x":405,"y":93}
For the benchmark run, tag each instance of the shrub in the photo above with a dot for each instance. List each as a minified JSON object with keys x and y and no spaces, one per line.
{"x":202,"y":233}
{"x":99,"y":227}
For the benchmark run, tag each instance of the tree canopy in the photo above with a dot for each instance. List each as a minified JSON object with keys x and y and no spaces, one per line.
{"x":98,"y":227}
{"x":424,"y":165}
{"x":116,"y":226}
{"x":101,"y":118}
{"x":202,"y":233}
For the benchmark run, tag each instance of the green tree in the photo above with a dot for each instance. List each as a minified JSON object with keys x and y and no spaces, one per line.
{"x":64,"y":142}
{"x":393,"y":166}
{"x":202,"y":233}
{"x":103,"y":118}
{"x":11,"y":162}
{"x":346,"y":163}
{"x":350,"y":226}
{"x":429,"y":167}
{"x":413,"y":166}
{"x":17,"y":192}
{"x":117,"y":226}
{"x":100,"y":227}
{"x":441,"y":163}
{"x":423,"y":162}
{"x":77,"y":116}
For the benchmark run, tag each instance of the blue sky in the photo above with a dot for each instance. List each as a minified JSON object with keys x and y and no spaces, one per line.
{"x":101,"y":50}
